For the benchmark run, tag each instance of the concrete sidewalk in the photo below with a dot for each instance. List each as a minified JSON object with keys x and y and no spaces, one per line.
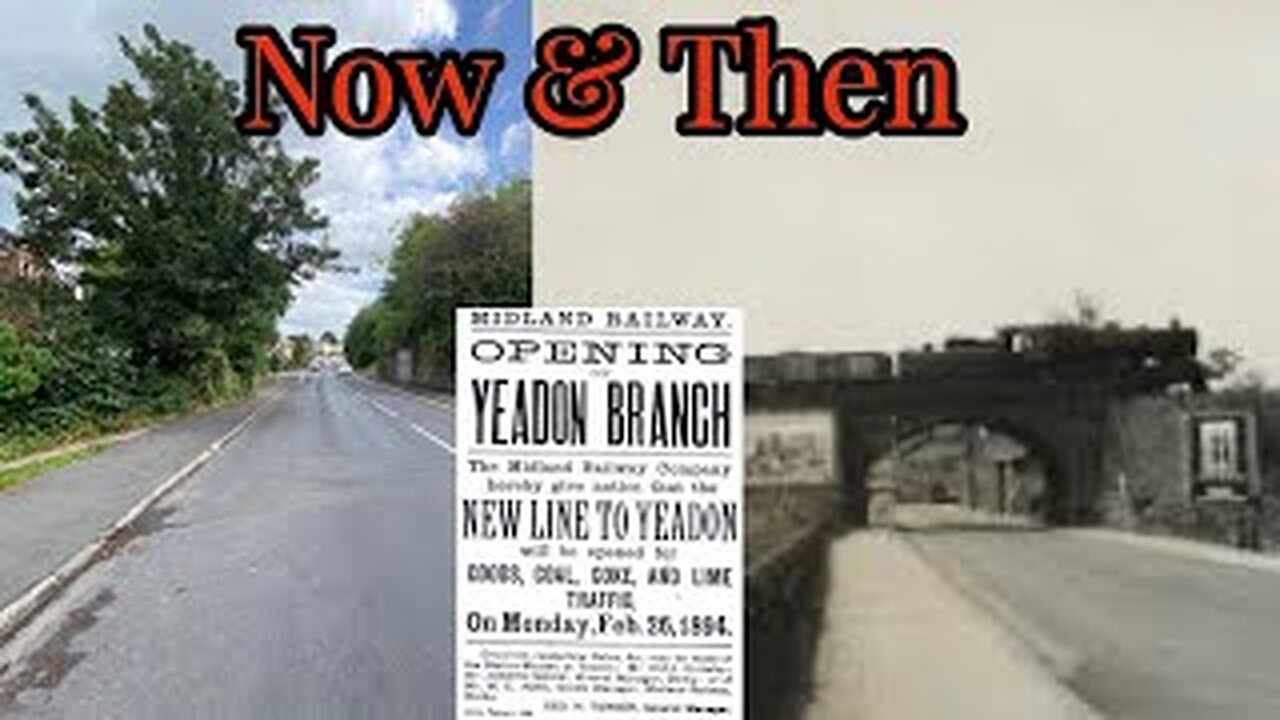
{"x":48,"y":519}
{"x":900,"y":643}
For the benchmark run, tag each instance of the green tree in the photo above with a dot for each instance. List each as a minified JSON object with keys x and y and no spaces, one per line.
{"x":301,"y":349}
{"x":360,"y":345}
{"x":190,"y":236}
{"x":478,"y":253}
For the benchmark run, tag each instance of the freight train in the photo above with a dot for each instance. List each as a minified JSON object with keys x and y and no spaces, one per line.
{"x":1146,"y":357}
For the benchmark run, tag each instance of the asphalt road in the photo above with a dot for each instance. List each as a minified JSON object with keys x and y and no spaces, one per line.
{"x":1136,"y":632}
{"x":305,"y":572}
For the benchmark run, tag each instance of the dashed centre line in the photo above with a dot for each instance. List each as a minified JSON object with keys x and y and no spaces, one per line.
{"x":430,"y":436}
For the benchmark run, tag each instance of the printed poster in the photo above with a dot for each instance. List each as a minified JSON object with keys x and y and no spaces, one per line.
{"x":599,"y":513}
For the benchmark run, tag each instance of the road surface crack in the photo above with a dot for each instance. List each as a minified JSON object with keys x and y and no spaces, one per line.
{"x":50,"y":664}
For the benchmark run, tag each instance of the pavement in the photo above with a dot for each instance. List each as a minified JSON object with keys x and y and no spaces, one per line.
{"x":900,"y":643}
{"x":305,"y":571}
{"x":48,"y":519}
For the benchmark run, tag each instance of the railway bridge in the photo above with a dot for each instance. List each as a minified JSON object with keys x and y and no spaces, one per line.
{"x":1049,"y":387}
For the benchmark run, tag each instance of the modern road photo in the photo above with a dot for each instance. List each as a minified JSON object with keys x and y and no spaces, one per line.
{"x":305,"y":572}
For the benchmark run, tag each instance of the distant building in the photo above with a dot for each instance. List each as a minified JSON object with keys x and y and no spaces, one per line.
{"x":20,"y":265}
{"x":330,"y":346}
{"x":282,"y":351}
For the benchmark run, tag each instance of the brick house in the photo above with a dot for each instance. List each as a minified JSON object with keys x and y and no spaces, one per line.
{"x":20,"y":265}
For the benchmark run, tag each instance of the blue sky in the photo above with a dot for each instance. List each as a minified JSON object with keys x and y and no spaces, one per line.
{"x":60,"y":48}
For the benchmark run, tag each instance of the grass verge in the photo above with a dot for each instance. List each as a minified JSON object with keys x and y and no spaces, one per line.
{"x":10,"y":479}
{"x":19,"y":445}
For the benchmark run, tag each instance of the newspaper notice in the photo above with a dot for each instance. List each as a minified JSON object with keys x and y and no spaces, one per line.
{"x":599,"y":513}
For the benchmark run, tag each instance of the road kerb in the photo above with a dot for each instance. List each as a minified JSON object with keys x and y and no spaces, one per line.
{"x":15,"y":615}
{"x":900,"y":641}
{"x":1019,"y":637}
{"x":1057,"y":658}
{"x":1186,"y":548}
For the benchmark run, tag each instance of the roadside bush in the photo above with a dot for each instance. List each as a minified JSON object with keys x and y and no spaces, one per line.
{"x":59,"y":383}
{"x":215,"y":378}
{"x":60,"y":378}
{"x":23,"y":368}
{"x":160,"y":395}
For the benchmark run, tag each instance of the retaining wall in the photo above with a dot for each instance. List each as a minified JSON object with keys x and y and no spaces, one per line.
{"x":788,"y":533}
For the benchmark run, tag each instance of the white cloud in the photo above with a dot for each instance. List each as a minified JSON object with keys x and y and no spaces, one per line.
{"x":515,"y":140}
{"x":368,"y":188}
{"x":435,"y":160}
{"x":434,"y":19}
{"x":327,"y":303}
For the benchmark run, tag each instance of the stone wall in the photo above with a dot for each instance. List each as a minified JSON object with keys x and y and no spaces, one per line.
{"x":775,"y":514}
{"x":786,"y":596}
{"x":788,"y":533}
{"x":1147,"y":473}
{"x":406,"y":368}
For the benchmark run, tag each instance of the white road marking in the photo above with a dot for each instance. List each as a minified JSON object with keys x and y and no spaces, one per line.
{"x":18,"y":613}
{"x":416,"y":397}
{"x":412,"y":425}
{"x":383,"y":408}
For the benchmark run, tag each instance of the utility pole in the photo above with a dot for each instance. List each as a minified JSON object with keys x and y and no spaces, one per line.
{"x":971,"y":479}
{"x":1002,"y":501}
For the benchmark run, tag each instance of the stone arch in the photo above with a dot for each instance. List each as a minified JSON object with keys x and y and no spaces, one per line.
{"x":868,"y":439}
{"x":1020,"y":484}
{"x":1062,"y":425}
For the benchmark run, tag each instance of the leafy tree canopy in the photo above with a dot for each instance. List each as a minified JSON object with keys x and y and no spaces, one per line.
{"x":187,"y":233}
{"x":477,"y":253}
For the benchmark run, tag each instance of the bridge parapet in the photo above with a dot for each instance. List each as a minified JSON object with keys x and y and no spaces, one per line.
{"x":818,"y":367}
